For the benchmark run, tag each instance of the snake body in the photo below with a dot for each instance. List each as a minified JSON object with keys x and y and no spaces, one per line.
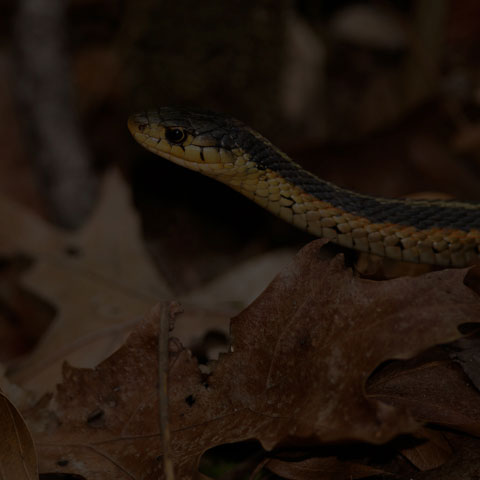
{"x":439,"y":232}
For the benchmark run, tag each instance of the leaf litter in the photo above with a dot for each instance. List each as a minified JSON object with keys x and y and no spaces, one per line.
{"x":295,"y":377}
{"x":100,"y":281}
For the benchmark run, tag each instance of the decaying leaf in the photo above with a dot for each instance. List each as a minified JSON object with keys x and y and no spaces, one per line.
{"x":108,"y":420}
{"x":321,"y":469}
{"x":100,"y":280}
{"x":300,"y":358}
{"x":437,"y":392}
{"x":467,"y":354}
{"x":463,"y":465}
{"x":18,"y":459}
{"x":318,"y":332}
{"x":431,"y":452}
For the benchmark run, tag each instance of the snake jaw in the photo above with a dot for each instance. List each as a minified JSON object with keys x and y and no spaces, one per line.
{"x":199,"y":151}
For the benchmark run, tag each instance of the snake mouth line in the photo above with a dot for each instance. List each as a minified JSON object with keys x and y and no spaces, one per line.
{"x":150,"y":143}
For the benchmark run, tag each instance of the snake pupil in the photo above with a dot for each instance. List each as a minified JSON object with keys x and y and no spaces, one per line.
{"x":175,"y":135}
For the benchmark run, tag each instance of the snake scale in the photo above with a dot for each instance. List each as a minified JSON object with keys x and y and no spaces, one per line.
{"x":438,"y":232}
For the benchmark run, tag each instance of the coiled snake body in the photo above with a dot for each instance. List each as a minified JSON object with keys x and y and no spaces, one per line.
{"x":437,"y":232}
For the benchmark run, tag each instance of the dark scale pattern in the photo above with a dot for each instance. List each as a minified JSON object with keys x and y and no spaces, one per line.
{"x":230,"y":134}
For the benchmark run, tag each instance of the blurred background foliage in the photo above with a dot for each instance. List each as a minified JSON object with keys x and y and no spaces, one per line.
{"x":381,"y":96}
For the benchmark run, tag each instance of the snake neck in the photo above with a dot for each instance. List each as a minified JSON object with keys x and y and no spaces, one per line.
{"x":436,"y":232}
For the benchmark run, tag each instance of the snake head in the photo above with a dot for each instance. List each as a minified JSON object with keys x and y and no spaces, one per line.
{"x":210,"y":143}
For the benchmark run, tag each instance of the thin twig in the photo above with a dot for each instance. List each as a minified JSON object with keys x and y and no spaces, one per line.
{"x":168,"y":310}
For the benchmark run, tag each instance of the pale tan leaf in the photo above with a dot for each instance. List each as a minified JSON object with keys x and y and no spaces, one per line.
{"x":99,"y":279}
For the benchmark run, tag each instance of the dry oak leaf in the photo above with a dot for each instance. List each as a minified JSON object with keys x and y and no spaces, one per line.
{"x":100,"y":279}
{"x":300,"y":358}
{"x":431,"y":452}
{"x":317,"y":333}
{"x":321,"y":468}
{"x":436,"y":392}
{"x":464,"y":464}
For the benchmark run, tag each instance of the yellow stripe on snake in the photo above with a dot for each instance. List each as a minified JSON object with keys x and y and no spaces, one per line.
{"x":439,"y":232}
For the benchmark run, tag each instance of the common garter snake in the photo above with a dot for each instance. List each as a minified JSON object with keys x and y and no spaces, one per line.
{"x":439,"y":232}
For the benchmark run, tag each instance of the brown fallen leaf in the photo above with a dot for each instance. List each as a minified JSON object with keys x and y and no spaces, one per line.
{"x":467,"y":354}
{"x":463,"y":465}
{"x":437,"y":392}
{"x":321,"y":332}
{"x":321,"y":469}
{"x":99,"y":279}
{"x":107,"y":418}
{"x":18,"y":459}
{"x":431,"y":453}
{"x":300,"y":358}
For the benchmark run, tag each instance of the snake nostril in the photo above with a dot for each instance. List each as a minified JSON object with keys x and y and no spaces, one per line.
{"x":137,"y":123}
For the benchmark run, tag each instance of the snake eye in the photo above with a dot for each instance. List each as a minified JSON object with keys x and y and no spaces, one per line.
{"x":175,"y":135}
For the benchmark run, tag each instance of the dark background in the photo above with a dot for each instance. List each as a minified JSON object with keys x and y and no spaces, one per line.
{"x":379,"y":96}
